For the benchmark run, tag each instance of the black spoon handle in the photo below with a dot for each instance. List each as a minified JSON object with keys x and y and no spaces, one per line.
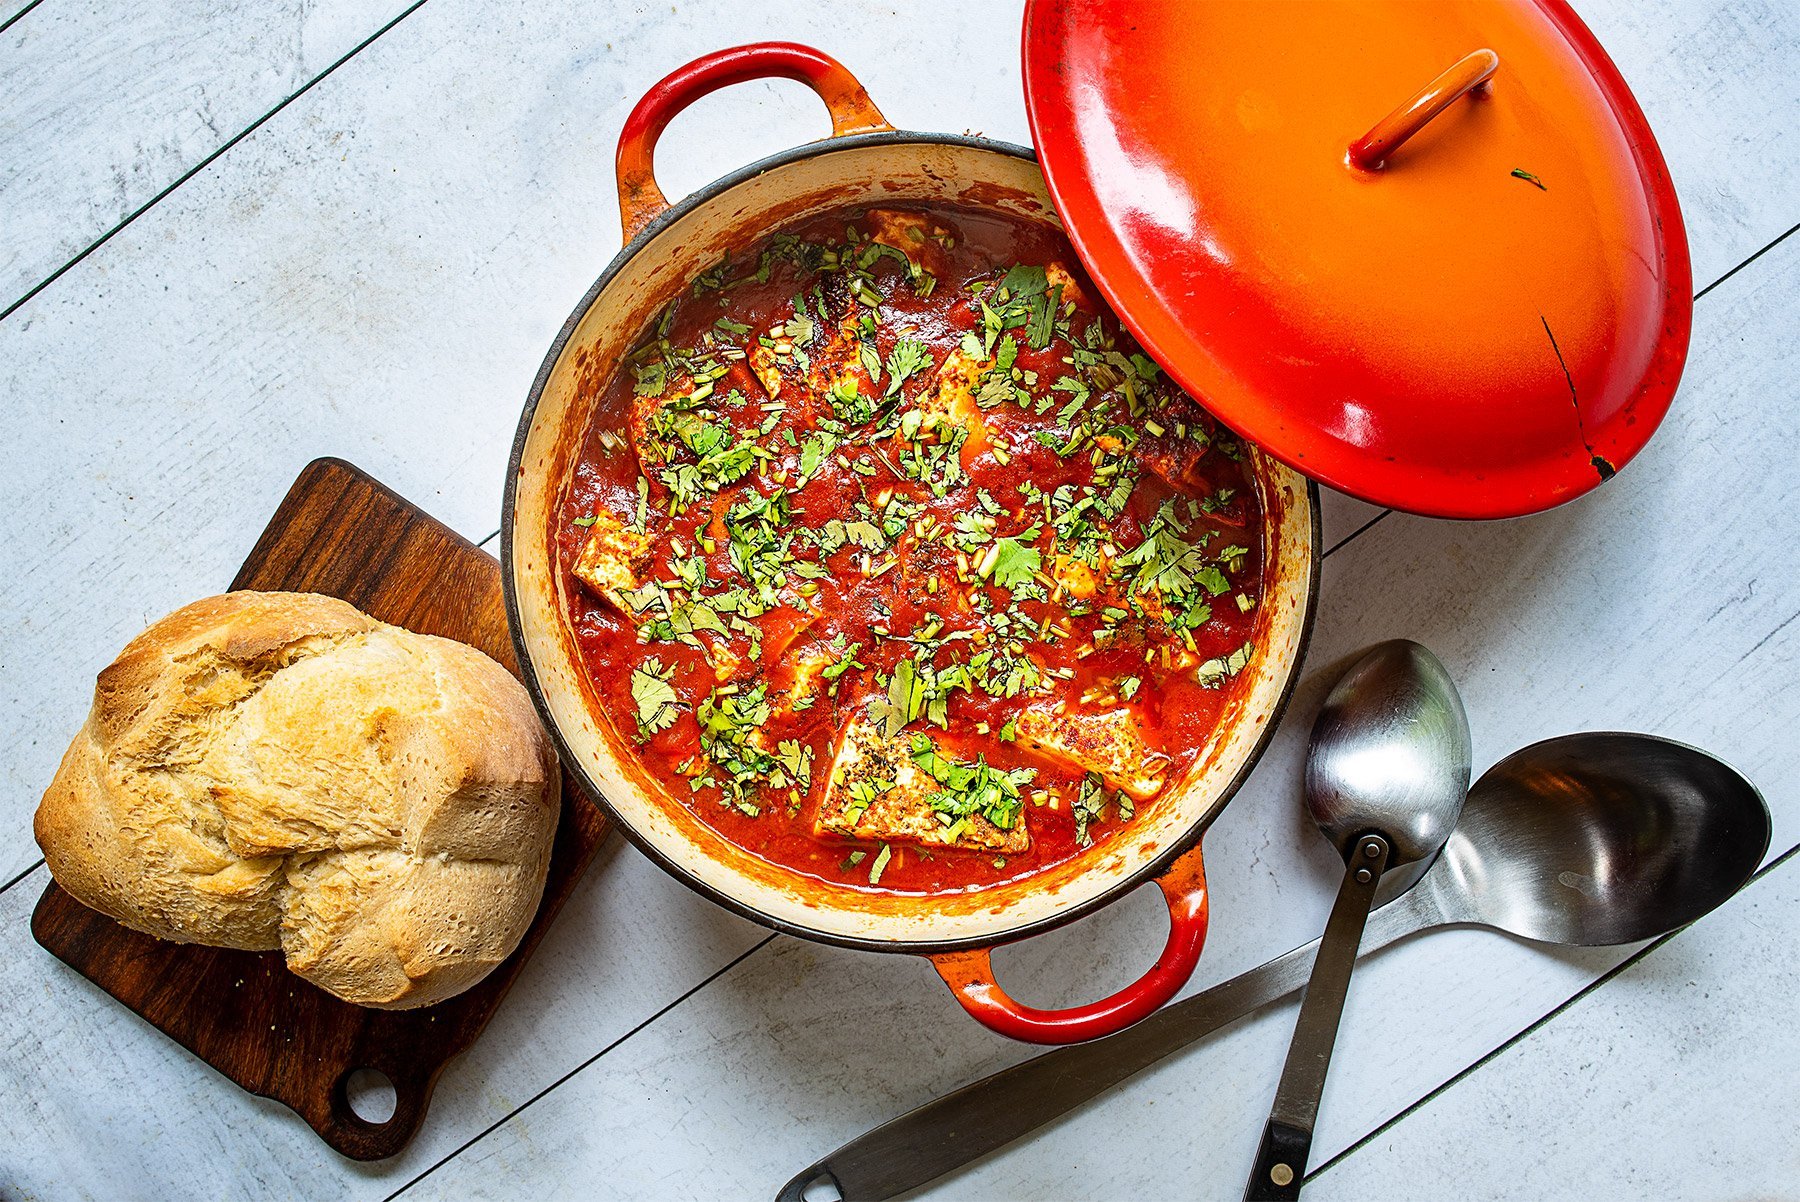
{"x":1281,"y":1160}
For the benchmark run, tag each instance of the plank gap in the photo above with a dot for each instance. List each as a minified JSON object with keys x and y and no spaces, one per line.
{"x":545,"y":1092}
{"x":1779,"y":239}
{"x":204,"y":163}
{"x":22,"y":875}
{"x":14,"y":19}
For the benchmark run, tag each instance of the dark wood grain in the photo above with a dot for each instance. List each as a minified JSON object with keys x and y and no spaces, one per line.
{"x":338,"y":532}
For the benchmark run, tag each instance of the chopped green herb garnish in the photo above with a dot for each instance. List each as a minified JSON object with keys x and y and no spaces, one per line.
{"x":657,"y":703}
{"x":908,"y":358}
{"x":1013,"y":563}
{"x":1090,"y":803}
{"x":723,"y":483}
{"x":1215,"y":672}
{"x":976,"y":788}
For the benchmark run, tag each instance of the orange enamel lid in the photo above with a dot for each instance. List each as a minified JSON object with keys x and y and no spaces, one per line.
{"x":1427,"y":253}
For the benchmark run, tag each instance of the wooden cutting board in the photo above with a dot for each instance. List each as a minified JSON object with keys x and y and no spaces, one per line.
{"x":338,"y":532}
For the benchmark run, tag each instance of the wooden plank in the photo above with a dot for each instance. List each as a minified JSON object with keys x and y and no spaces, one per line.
{"x":181,"y":78}
{"x":1674,"y":1081}
{"x":338,"y":532}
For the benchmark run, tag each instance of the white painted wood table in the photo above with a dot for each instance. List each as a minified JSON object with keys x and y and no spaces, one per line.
{"x":235,"y":236}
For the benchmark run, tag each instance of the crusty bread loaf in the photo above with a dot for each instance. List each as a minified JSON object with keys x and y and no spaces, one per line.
{"x":279,"y":770}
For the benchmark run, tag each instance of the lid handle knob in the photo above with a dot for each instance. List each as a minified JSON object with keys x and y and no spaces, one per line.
{"x":1469,"y":75}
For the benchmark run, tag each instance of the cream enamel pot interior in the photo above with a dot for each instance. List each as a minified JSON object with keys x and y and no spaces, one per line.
{"x":864,"y":162}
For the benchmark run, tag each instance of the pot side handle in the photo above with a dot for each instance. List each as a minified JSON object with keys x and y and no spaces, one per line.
{"x":852,"y":112}
{"x":970,"y":974}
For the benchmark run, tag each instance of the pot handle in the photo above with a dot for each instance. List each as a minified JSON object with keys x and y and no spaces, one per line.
{"x":852,"y":112}
{"x":1469,"y":75}
{"x":970,"y":974}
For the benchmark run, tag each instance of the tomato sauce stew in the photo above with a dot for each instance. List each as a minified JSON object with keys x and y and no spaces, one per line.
{"x":899,"y":563}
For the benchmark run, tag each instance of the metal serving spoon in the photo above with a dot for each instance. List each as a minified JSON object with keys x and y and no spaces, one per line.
{"x":1587,"y":839}
{"x":1386,"y":775}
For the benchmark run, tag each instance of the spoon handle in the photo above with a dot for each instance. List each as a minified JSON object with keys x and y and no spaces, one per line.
{"x":1287,"y":1140}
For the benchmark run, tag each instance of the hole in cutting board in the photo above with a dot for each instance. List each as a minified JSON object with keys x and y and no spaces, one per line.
{"x":371,"y":1095}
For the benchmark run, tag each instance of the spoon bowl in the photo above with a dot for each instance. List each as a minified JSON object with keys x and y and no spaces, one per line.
{"x":1390,"y":754}
{"x":1600,"y":838}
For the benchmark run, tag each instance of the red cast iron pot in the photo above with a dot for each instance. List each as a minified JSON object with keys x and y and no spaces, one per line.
{"x":865,"y":161}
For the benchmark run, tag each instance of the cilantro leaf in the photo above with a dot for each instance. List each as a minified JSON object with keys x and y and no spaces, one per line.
{"x":909,"y":357}
{"x":657,"y":704}
{"x":1090,"y":803}
{"x":652,"y":378}
{"x":866,"y":535}
{"x":813,"y":453}
{"x":1013,"y":562}
{"x":918,"y":689}
{"x":800,"y":327}
{"x":1212,"y":580}
{"x":904,"y":701}
{"x":797,"y":759}
{"x":847,"y":661}
{"x":1168,"y":563}
{"x":1024,"y":281}
{"x":1040,"y":324}
{"x":729,"y":722}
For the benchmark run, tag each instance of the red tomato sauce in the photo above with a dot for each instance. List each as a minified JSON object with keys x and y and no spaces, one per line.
{"x":953,"y":535}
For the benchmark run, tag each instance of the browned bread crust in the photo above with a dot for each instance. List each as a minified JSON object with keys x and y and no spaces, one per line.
{"x":279,"y":770}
